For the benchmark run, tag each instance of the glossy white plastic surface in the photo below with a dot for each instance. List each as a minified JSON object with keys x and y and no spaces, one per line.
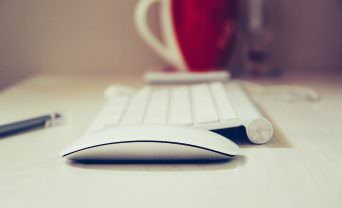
{"x":154,"y":77}
{"x":152,"y":142}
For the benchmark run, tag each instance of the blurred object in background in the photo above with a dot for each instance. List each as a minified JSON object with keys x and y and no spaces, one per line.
{"x":258,"y":36}
{"x":87,"y":36}
{"x":198,"y":35}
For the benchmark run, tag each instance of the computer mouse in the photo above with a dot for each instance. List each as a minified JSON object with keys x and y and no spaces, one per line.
{"x":152,"y":142}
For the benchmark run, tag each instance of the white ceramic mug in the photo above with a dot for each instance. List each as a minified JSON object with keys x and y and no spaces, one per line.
{"x":197,"y":34}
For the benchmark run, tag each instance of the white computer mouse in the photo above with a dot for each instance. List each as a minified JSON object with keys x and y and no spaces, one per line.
{"x":152,"y":142}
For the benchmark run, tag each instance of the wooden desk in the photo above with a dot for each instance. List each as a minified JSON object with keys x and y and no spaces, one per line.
{"x":302,"y":168}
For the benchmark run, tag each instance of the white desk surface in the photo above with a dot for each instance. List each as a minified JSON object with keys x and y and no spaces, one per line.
{"x":302,"y":168}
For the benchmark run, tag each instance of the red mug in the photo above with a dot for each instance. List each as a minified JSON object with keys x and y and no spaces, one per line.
{"x":198,"y":34}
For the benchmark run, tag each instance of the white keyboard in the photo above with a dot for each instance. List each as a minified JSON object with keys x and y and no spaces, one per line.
{"x":210,"y":106}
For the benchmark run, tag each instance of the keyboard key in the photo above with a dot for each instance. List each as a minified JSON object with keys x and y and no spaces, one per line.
{"x":180,"y":108}
{"x":158,"y":107}
{"x":223,"y":105}
{"x":111,"y":113}
{"x":203,"y":105}
{"x":136,"y":109}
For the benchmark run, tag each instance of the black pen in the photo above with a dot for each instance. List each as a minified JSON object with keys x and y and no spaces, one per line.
{"x":29,"y":124}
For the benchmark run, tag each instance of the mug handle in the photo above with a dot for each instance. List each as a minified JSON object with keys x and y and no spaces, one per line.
{"x":140,"y":19}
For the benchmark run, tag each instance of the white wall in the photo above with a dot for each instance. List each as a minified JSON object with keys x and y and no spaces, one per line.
{"x":309,"y":34}
{"x":70,"y":35}
{"x":99,"y":36}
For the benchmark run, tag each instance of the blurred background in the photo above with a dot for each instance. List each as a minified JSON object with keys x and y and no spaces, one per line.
{"x":71,"y":36}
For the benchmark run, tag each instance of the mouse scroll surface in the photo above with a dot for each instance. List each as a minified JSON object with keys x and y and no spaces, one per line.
{"x":152,"y":143}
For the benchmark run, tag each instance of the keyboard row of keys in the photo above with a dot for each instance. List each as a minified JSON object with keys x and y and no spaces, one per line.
{"x":181,"y":105}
